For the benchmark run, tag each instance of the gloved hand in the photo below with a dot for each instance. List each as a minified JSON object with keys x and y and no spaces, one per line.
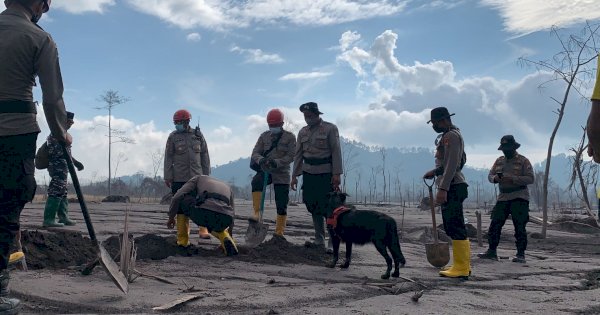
{"x":78,"y":165}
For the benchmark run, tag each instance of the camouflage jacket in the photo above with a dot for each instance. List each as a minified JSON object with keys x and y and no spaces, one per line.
{"x":282,"y":155}
{"x":186,"y":155}
{"x":520,"y":170}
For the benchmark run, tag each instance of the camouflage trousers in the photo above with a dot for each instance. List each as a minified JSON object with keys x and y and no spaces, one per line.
{"x":58,"y":178}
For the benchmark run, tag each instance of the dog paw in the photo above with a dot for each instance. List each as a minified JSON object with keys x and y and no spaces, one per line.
{"x":330,"y":265}
{"x":396,"y":274}
{"x":385,"y":275}
{"x":345,"y":265}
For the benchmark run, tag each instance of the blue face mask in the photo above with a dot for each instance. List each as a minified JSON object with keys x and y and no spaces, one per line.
{"x":179,"y":127}
{"x":275,"y":129}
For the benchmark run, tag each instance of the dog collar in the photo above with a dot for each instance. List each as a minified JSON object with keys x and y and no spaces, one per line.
{"x":332,"y":221}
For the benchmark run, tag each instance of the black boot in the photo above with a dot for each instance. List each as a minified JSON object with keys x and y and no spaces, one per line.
{"x":8,"y":306}
{"x":519,"y":258}
{"x":489,"y":254}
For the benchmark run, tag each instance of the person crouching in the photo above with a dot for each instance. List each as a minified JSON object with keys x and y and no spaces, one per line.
{"x":209,"y":203}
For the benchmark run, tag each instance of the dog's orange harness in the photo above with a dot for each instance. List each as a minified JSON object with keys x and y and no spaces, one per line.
{"x":332,"y":221}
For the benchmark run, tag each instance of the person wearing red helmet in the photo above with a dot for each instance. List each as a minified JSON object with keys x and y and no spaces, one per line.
{"x":27,"y":52}
{"x":273,"y":153}
{"x":186,"y":155}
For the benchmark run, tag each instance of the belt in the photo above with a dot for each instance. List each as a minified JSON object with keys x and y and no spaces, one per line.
{"x":512,"y":190}
{"x":201,"y":198}
{"x":21,"y":107}
{"x":316,"y":161}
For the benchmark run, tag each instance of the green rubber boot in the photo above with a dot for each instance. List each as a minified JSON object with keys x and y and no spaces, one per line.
{"x":63,"y":212}
{"x":52,"y":205}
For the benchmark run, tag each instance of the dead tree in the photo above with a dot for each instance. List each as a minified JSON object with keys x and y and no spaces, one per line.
{"x":383,"y":154}
{"x":583,"y":173}
{"x":348,"y":157}
{"x":157,"y":161}
{"x":112,"y":99}
{"x":573,"y":66}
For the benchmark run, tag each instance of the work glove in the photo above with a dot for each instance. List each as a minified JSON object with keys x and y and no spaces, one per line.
{"x":78,"y":165}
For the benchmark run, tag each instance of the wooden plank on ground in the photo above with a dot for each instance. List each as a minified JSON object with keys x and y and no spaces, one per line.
{"x":179,"y":301}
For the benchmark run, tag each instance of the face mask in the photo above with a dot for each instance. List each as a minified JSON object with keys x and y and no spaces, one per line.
{"x":509,"y":154}
{"x":275,"y":129}
{"x":312,"y":121}
{"x":179,"y":127}
{"x":437,"y":129}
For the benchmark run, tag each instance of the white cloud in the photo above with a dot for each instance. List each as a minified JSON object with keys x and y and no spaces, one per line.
{"x":257,"y":56}
{"x":82,"y":6}
{"x":193,"y":37}
{"x":401,"y":96}
{"x":216,"y":14}
{"x":526,"y":16}
{"x":348,"y":38}
{"x":305,"y":75}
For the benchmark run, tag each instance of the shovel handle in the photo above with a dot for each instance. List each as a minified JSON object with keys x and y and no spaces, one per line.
{"x":431,"y":203}
{"x":262,"y":195}
{"x":84,"y":210}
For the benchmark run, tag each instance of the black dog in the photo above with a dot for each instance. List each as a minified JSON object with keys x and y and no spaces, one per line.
{"x":360,"y":227}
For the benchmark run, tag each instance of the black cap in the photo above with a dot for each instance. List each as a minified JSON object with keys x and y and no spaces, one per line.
{"x":311,"y":107}
{"x":508,"y":142}
{"x":439,"y":113}
{"x":70,"y":115}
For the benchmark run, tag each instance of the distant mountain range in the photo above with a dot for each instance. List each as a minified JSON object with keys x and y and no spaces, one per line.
{"x":404,"y":170}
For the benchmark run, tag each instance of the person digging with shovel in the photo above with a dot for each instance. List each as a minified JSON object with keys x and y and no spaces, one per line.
{"x":273,"y":153}
{"x":452,"y":190}
{"x":26,"y":51}
{"x":209,"y":203}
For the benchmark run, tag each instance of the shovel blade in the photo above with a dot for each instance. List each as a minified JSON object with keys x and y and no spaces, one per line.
{"x":438,"y":254}
{"x":256,"y":233}
{"x":112,"y":269}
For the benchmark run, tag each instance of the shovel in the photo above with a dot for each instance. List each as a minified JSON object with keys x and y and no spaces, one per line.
{"x":257,"y":230}
{"x":438,"y":254}
{"x":107,"y":262}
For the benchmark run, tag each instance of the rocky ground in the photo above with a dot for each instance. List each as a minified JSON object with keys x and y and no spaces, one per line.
{"x":561,"y":276}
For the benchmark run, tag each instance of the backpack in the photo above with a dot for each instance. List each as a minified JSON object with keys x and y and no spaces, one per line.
{"x":41,"y":157}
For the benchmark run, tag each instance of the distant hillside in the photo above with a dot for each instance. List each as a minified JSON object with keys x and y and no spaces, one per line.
{"x":405,"y":168}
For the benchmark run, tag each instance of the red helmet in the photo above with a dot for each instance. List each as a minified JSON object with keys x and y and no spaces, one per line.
{"x":274,"y":117}
{"x":182,"y":115}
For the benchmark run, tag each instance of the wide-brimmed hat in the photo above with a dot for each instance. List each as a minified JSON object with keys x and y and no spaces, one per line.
{"x":439,"y":113}
{"x":508,"y":142}
{"x":311,"y":107}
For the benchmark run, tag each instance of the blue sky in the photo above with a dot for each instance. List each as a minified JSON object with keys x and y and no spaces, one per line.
{"x":376,"y":68}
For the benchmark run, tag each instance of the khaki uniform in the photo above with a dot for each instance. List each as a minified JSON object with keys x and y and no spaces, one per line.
{"x":318,"y":157}
{"x":315,"y":146}
{"x":203,"y":183}
{"x":448,"y":159}
{"x":513,"y":200}
{"x":186,"y":155}
{"x":448,"y":156}
{"x":283,"y":154}
{"x":28,"y":51}
{"x":520,"y":169}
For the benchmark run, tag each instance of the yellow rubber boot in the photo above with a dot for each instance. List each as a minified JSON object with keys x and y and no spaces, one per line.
{"x":280,"y":225}
{"x":15,"y":257}
{"x":461,"y":268}
{"x":596,"y":91}
{"x":226,"y":242}
{"x":203,"y":233}
{"x":183,"y":230}
{"x":256,"y":196}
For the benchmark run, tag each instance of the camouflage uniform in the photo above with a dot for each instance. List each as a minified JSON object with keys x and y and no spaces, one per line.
{"x":57,"y":169}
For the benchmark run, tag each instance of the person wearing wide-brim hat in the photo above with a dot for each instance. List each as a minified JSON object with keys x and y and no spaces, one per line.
{"x":452,"y":190}
{"x":512,"y":172}
{"x":318,"y":159}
